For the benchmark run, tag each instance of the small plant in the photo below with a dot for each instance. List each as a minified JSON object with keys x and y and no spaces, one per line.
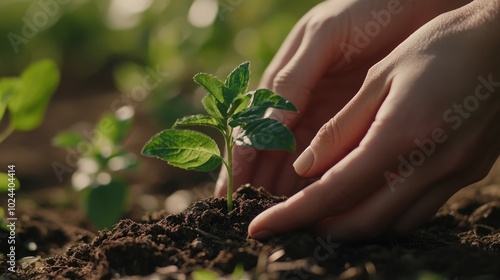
{"x":25,"y":98}
{"x":229,"y":107}
{"x":97,"y":179}
{"x":205,"y":274}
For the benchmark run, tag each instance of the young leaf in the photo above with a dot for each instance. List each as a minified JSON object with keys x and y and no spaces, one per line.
{"x":262,"y":100}
{"x":38,"y":83}
{"x":249,"y":115}
{"x":214,"y":108}
{"x":240,"y":103}
{"x":67,"y":139}
{"x":8,"y":87}
{"x":264,"y":96}
{"x":202,"y":120}
{"x":105,"y":204}
{"x":186,"y":149}
{"x":211,"y":84}
{"x":268,"y":134}
{"x":237,"y":82}
{"x":110,"y":130}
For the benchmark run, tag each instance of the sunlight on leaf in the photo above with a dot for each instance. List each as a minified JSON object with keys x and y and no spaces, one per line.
{"x":237,"y":81}
{"x":211,"y":84}
{"x":38,"y":83}
{"x":186,"y":149}
{"x":202,"y":120}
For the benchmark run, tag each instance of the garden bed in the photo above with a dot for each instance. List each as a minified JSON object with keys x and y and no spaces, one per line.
{"x":461,"y":242}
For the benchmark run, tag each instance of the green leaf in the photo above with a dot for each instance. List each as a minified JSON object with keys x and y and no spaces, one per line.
{"x":186,"y":149}
{"x":202,"y":120}
{"x":267,"y":134}
{"x":263,"y":99}
{"x":240,"y":103}
{"x":204,"y":274}
{"x":237,"y":82}
{"x":8,"y":87}
{"x":214,"y":108}
{"x":264,"y":96}
{"x":105,"y":204}
{"x":211,"y":84}
{"x":4,"y":182}
{"x":38,"y":83}
{"x":67,"y":139}
{"x":248,"y":115}
{"x":238,"y":272}
{"x":111,"y":130}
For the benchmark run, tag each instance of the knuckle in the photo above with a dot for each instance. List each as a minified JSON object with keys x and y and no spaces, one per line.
{"x":319,"y":25}
{"x":289,"y":81}
{"x":377,"y":72}
{"x":318,"y":20}
{"x":284,"y":79}
{"x":328,"y":134}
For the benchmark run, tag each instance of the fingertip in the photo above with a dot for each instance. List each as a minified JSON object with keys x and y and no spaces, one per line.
{"x":304,"y":162}
{"x":262,"y":235}
{"x":259,"y":227}
{"x":255,"y":225}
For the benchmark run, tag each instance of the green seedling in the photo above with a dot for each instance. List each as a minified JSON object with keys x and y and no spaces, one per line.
{"x":25,"y":99}
{"x":233,"y":111}
{"x":98,"y":179}
{"x":205,"y":274}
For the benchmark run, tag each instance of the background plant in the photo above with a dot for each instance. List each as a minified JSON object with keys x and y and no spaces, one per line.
{"x":98,"y":178}
{"x":25,"y":99}
{"x":229,"y":107}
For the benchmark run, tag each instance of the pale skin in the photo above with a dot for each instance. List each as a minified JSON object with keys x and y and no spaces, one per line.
{"x":430,"y":74}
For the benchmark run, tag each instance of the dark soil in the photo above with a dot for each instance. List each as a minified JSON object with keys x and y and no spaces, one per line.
{"x":461,"y":242}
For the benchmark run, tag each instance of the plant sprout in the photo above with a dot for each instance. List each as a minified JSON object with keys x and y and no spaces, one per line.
{"x":98,"y":180}
{"x":229,"y":106}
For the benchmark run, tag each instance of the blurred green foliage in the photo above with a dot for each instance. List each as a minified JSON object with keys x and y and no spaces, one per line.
{"x":130,"y":38}
{"x":98,"y":178}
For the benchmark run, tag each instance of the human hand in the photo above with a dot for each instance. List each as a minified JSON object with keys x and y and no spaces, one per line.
{"x":424,"y":124}
{"x":319,"y":67}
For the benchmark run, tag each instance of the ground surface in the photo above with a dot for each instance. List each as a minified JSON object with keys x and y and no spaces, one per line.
{"x":461,"y":242}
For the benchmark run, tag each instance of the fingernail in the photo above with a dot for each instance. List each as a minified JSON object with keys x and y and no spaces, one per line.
{"x":304,"y":161}
{"x":263,"y":234}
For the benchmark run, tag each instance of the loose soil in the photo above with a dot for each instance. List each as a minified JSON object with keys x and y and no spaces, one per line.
{"x":461,"y":242}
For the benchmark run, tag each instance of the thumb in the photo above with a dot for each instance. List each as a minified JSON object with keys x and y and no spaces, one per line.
{"x":341,"y":134}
